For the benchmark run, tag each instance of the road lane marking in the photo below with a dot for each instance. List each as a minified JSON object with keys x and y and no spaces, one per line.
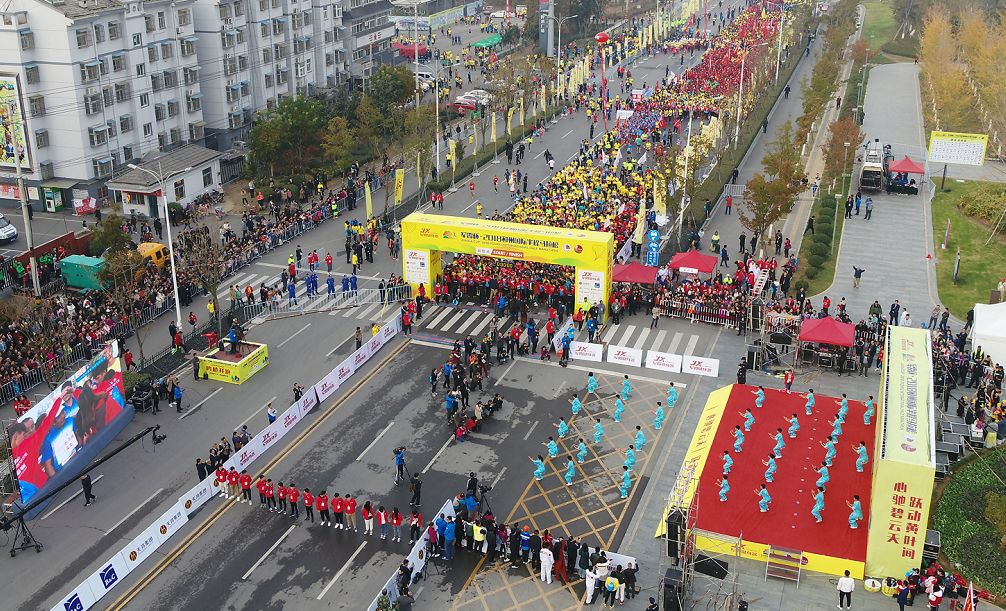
{"x":252,"y":415}
{"x":284,"y":342}
{"x":269,"y":551}
{"x":192,"y":409}
{"x":379,"y":435}
{"x":130,"y":514}
{"x":72,"y":496}
{"x":439,"y":452}
{"x":342,"y":570}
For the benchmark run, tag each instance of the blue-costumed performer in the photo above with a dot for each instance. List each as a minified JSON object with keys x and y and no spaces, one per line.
{"x":626,"y":483}
{"x":824,"y":476}
{"x":640,"y":439}
{"x":870,"y":412}
{"x":794,"y":426}
{"x":630,"y":458}
{"x":857,"y":511}
{"x":672,"y":395}
{"x":658,"y":417}
{"x":861,"y":457}
{"x":818,"y":504}
{"x":764,"y":499}
{"x":810,"y":402}
{"x":728,"y":462}
{"x":843,"y":408}
{"x":539,"y":466}
{"x":738,"y":438}
{"x":591,"y":384}
{"x":619,"y":409}
{"x":780,"y":443}
{"x":576,"y":405}
{"x":749,"y":419}
{"x":836,"y":427}
{"x":581,"y":451}
{"x":724,"y":488}
{"x":759,"y":397}
{"x":626,"y":388}
{"x":770,"y":468}
{"x":829,"y":450}
{"x":562,"y":428}
{"x":553,"y":448}
{"x":570,"y":470}
{"x":598,"y":431}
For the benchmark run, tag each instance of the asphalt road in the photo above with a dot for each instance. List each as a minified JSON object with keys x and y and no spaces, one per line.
{"x":144,"y":481}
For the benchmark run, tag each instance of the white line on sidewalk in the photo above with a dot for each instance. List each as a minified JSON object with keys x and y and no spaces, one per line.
{"x":72,"y":496}
{"x":252,"y":415}
{"x":302,"y":329}
{"x":499,"y":476}
{"x":439,"y":452}
{"x":269,"y":551}
{"x":379,"y":435}
{"x":342,"y":570}
{"x":568,"y":133}
{"x":130,"y":514}
{"x":200,"y":404}
{"x":530,"y":429}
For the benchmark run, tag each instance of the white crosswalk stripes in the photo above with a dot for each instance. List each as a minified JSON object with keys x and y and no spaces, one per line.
{"x":455,"y":323}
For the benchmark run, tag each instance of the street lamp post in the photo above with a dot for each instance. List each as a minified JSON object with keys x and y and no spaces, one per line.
{"x":845,"y":162}
{"x":161,"y":180}
{"x":558,"y":53}
{"x":602,"y":39}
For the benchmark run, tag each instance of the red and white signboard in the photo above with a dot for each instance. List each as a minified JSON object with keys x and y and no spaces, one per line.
{"x":361,"y":356}
{"x":344,"y":370}
{"x":700,"y":366}
{"x":307,"y":402}
{"x":247,"y":454}
{"x":637,"y":95}
{"x":625,"y":356}
{"x":327,"y":386}
{"x":663,"y":361}
{"x":585,"y":351}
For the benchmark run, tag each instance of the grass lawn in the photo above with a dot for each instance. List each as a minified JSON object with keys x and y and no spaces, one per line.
{"x":881,"y":32}
{"x":979,"y":271}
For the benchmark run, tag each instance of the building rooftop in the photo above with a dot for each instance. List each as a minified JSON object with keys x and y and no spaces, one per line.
{"x":188,"y":156}
{"x":75,"y":9}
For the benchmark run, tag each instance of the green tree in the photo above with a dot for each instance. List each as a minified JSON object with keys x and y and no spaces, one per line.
{"x":391,"y":86}
{"x":289,"y":136}
{"x":108,"y":235}
{"x":417,"y":140}
{"x":121,"y":276}
{"x":769,"y":195}
{"x":338,"y":142}
{"x":369,"y":125}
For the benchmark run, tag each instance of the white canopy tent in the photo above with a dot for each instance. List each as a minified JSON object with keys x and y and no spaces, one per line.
{"x":990,"y":330}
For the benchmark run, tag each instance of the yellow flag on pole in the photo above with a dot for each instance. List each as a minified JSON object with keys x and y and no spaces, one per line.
{"x":492,"y":128}
{"x":520,"y":117}
{"x":637,"y":236}
{"x":370,"y":201}
{"x":509,"y":119}
{"x":659,"y":196}
{"x":399,"y":185}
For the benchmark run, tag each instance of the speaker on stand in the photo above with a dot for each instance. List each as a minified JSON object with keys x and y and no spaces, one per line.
{"x":675,"y":530}
{"x":674,"y":589}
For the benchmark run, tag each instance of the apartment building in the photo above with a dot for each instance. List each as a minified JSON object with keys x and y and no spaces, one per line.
{"x":368,"y":38}
{"x":102,"y":83}
{"x":259,"y":51}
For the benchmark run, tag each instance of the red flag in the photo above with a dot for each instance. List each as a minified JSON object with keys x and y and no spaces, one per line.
{"x":971,"y":602}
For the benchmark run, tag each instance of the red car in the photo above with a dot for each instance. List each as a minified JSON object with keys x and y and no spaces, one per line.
{"x":462,"y":105}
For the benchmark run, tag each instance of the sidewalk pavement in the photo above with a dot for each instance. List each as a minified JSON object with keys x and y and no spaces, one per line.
{"x":894,"y":244}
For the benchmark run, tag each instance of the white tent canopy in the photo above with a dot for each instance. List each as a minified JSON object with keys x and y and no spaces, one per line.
{"x":990,"y":330}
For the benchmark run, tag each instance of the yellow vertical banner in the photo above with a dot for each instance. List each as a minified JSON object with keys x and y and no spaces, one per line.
{"x":637,"y":235}
{"x":520,"y":116}
{"x":369,"y":199}
{"x":399,"y":185}
{"x":659,"y":196}
{"x":904,"y":455}
{"x":509,"y":119}
{"x":492,"y":129}
{"x":543,"y":99}
{"x":452,"y":147}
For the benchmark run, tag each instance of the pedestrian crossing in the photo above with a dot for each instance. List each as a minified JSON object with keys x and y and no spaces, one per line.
{"x":457,"y":322}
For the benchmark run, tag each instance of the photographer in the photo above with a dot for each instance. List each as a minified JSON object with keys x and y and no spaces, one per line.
{"x":399,"y":464}
{"x":473,"y":484}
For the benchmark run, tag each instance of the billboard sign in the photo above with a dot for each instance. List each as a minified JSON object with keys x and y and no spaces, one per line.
{"x":956,"y":147}
{"x":624,"y":355}
{"x":586,"y":351}
{"x":72,"y":418}
{"x":13,"y":129}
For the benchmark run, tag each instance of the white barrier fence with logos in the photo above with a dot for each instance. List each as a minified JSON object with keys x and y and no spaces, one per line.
{"x":417,"y":559}
{"x":660,"y":361}
{"x":111,"y":572}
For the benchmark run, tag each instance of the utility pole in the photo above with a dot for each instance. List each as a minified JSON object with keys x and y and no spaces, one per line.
{"x":17,"y":127}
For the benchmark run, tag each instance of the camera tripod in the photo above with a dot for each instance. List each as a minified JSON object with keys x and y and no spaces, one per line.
{"x":405,"y":478}
{"x":484,"y":504}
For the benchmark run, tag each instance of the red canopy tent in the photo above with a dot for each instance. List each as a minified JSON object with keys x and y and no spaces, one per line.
{"x":906,"y":165}
{"x":634,"y":272}
{"x":828,"y":331}
{"x":694,"y":262}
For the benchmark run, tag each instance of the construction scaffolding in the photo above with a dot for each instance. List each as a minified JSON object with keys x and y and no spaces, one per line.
{"x":719,"y":567}
{"x":778,"y":334}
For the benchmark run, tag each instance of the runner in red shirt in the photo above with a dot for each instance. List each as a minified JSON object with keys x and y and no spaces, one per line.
{"x":293,"y":494}
{"x":321,"y":503}
{"x":337,"y":510}
{"x":246,"y":483}
{"x":281,"y":493}
{"x":349,"y":508}
{"x":270,"y":500}
{"x":308,"y":506}
{"x":233,"y":481}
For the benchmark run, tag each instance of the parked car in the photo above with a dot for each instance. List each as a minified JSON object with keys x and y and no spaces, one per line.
{"x":463,"y":105}
{"x":8,"y":232}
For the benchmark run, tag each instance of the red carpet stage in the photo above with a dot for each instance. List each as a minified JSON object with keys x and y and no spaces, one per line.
{"x":831,"y":546}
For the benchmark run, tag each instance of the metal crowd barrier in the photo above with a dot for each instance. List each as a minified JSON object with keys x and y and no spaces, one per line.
{"x":690,"y":310}
{"x":324,"y":302}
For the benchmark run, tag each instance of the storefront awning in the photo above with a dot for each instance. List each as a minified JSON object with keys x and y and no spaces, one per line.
{"x":60,"y":183}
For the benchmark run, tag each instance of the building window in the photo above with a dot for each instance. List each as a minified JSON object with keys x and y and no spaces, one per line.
{"x":92,"y":103}
{"x":102,"y":167}
{"x":152,"y":54}
{"x":141,"y":69}
{"x":266,"y":56}
{"x":148,"y":20}
{"x":98,"y":135}
{"x":83,"y":38}
{"x":172,"y":108}
{"x":170,"y":78}
{"x":113,"y":30}
{"x":207,"y":176}
{"x":118,"y":63}
{"x":31,"y":74}
{"x":148,"y":130}
{"x":160,"y":20}
{"x":175,"y":136}
{"x":167,"y":50}
{"x":41,"y":138}
{"x":239,"y":9}
{"x":144,"y":100}
{"x":156,"y":82}
{"x":263,"y":5}
{"x":196,"y":131}
{"x":125,"y":124}
{"x":268,"y":80}
{"x":179,"y":189}
{"x":107,"y":96}
{"x":88,"y":73}
{"x":264,"y":29}
{"x":122,"y":91}
{"x":27,"y":40}
{"x":184,"y":17}
{"x":159,"y":112}
{"x":99,"y":33}
{"x":36,"y":106}
{"x":137,"y":40}
{"x":188,"y":48}
{"x":225,"y":11}
{"x":127,"y":153}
